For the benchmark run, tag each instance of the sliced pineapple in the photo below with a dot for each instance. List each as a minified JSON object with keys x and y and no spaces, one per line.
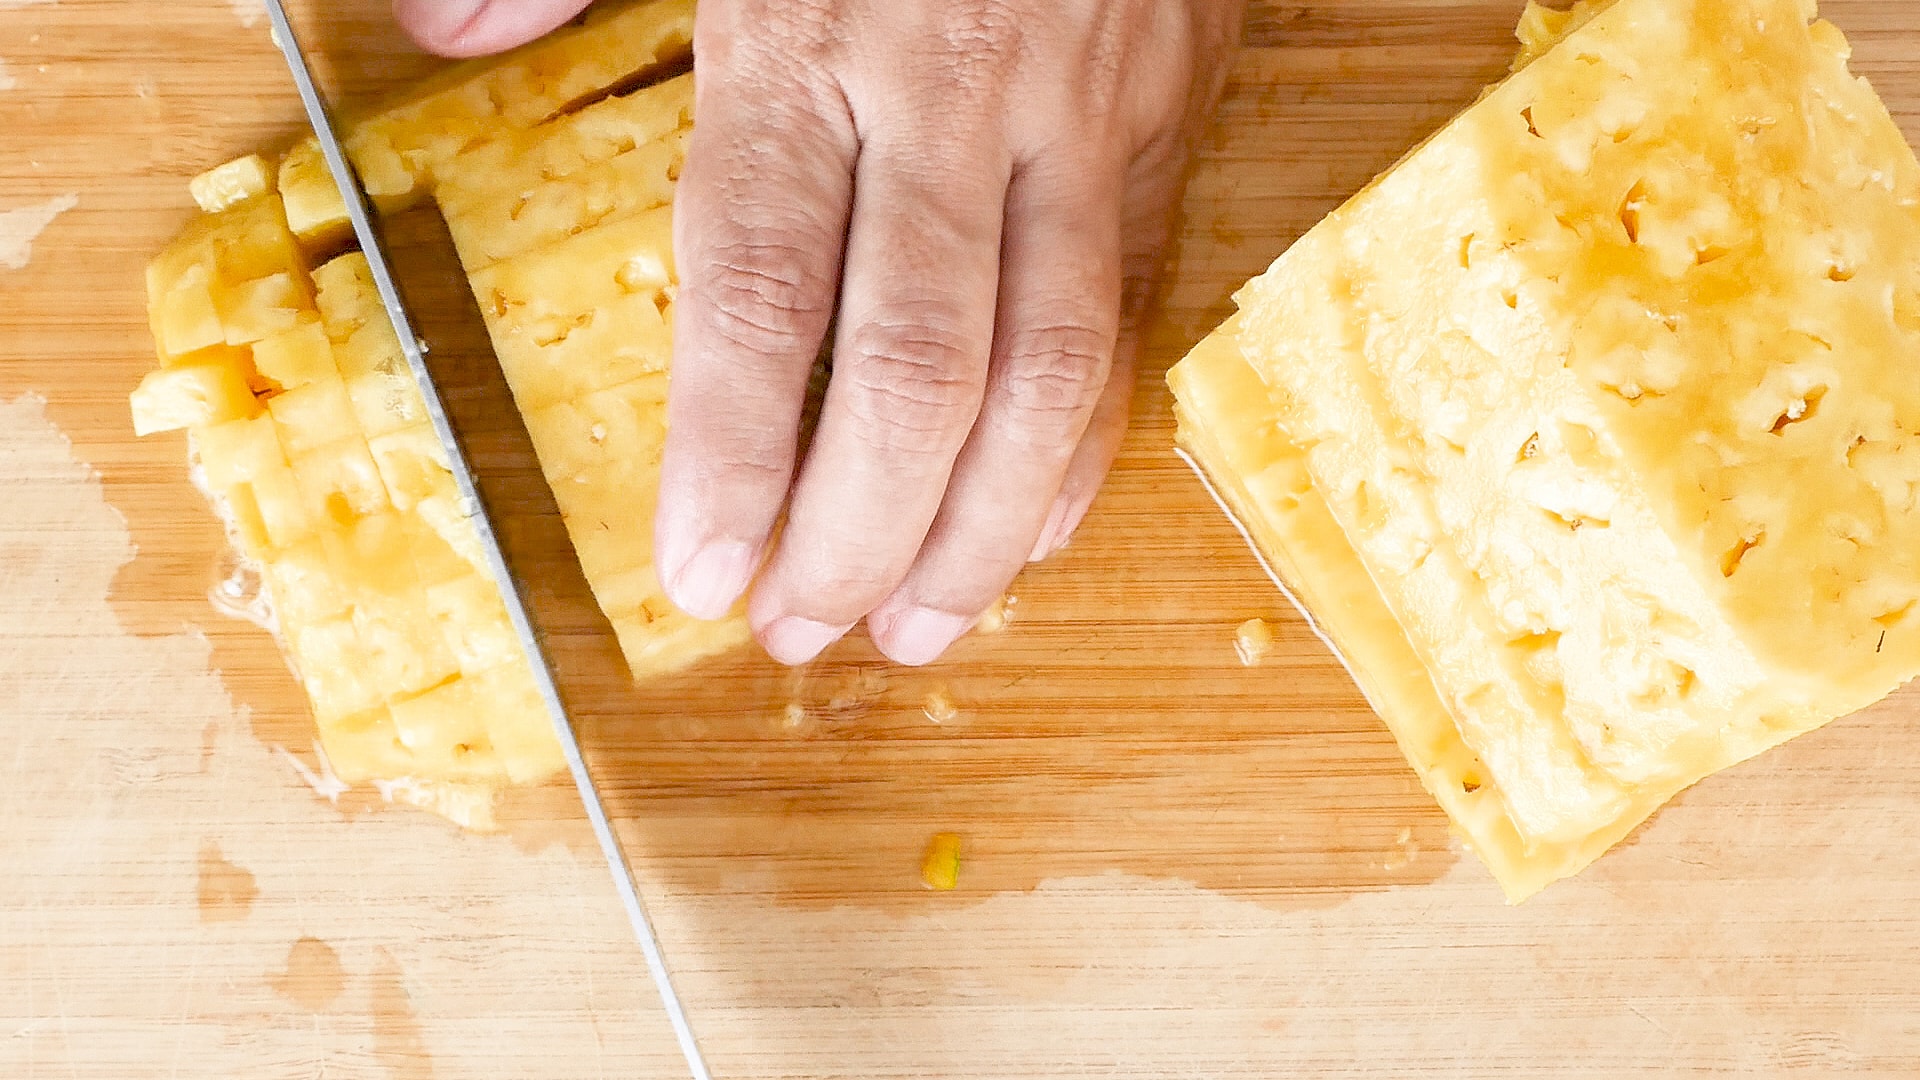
{"x":1588,"y":432}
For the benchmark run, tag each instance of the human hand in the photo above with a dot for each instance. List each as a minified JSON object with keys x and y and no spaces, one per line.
{"x":980,"y":189}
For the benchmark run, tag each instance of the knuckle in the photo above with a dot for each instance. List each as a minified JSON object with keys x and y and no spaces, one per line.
{"x":764,"y":295}
{"x":911,"y":386}
{"x":1056,"y":370}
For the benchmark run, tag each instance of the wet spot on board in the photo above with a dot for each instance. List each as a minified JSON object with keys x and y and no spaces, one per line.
{"x":20,"y":227}
{"x":209,"y":740}
{"x":313,"y":978}
{"x":397,"y":1042}
{"x":227,"y":891}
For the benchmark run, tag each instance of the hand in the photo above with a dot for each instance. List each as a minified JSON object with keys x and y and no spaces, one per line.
{"x":980,"y":189}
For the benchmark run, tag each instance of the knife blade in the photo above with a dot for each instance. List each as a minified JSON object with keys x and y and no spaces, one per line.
{"x":360,"y":212}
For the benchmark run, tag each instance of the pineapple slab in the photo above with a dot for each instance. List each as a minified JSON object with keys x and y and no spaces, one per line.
{"x":1587,"y":433}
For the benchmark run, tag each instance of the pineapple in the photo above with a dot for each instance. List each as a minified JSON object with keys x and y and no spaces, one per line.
{"x":1585,"y":433}
{"x":277,"y":358}
{"x":384,"y":618}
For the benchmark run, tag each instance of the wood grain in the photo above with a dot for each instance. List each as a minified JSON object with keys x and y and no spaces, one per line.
{"x":1172,"y":865}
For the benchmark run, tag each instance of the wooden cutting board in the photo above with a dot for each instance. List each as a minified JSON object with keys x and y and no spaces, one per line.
{"x":1173,"y":865}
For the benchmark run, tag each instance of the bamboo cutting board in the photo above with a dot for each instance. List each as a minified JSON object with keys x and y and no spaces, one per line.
{"x":1173,"y":865}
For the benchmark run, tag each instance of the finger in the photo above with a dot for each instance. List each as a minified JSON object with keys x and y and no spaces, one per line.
{"x":1153,"y":190}
{"x":1094,"y":457}
{"x":910,"y":363}
{"x":759,"y":221}
{"x":1053,"y":347}
{"x":479,"y":27}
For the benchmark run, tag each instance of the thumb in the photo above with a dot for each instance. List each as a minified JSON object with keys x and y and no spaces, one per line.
{"x":479,"y":27}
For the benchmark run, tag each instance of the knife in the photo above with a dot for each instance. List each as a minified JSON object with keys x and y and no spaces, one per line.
{"x":359,"y":210}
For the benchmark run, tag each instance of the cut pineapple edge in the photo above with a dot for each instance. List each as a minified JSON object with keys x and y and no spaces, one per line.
{"x":1586,"y":435}
{"x":554,"y":168}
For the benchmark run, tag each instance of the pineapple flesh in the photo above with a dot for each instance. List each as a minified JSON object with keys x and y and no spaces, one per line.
{"x":1584,"y":433}
{"x":311,"y":437}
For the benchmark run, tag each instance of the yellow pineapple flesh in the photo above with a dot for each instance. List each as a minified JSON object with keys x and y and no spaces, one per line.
{"x":1587,"y":433}
{"x":556,"y":178}
{"x":376,"y":606}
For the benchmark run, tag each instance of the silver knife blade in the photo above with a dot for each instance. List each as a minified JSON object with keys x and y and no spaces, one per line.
{"x":359,"y":210}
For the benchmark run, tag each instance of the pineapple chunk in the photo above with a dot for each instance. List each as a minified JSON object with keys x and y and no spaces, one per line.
{"x":285,"y":514}
{"x":412,"y":464}
{"x":231,"y":184}
{"x":473,"y":622}
{"x":254,"y":310}
{"x":366,"y":747}
{"x":184,"y":318}
{"x":339,"y":481}
{"x":237,"y":451}
{"x":310,"y":416}
{"x":296,"y":357}
{"x":1595,"y":389}
{"x":521,"y":735}
{"x":445,"y":732}
{"x":192,"y":394}
{"x":316,"y":213}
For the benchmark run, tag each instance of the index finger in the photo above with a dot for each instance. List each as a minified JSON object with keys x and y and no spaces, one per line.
{"x":759,"y":222}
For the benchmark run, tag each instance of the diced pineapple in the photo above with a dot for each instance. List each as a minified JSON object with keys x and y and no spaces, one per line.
{"x":313,"y":415}
{"x":1593,"y":386}
{"x":237,"y":451}
{"x":473,"y":621}
{"x":316,"y":213}
{"x":521,"y":731}
{"x":304,"y":586}
{"x":346,"y":297}
{"x":412,"y":463}
{"x":231,"y":184}
{"x":386,"y":401}
{"x":192,"y":394}
{"x":445,"y":732}
{"x":184,"y":318}
{"x":366,"y":747}
{"x":339,"y":481}
{"x":442,"y":513}
{"x":296,"y":357}
{"x":284,"y":510}
{"x":261,"y":308}
{"x":557,"y":180}
{"x":333,"y":667}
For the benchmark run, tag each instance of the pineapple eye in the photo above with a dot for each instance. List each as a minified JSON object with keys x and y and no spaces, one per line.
{"x":1730,"y":562}
{"x":1800,"y":410}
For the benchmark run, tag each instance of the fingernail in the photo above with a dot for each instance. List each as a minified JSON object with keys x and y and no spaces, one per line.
{"x":793,"y":640}
{"x":713,"y":579}
{"x":919,"y":635}
{"x":1054,"y":534}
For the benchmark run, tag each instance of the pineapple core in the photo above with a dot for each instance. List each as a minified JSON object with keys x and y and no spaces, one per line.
{"x":556,"y":179}
{"x":1589,"y":434}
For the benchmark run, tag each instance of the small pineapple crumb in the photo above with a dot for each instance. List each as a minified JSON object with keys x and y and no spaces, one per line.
{"x":795,"y":716}
{"x":940,"y":866}
{"x":940,"y":708}
{"x":1253,"y":641}
{"x":995,"y":618}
